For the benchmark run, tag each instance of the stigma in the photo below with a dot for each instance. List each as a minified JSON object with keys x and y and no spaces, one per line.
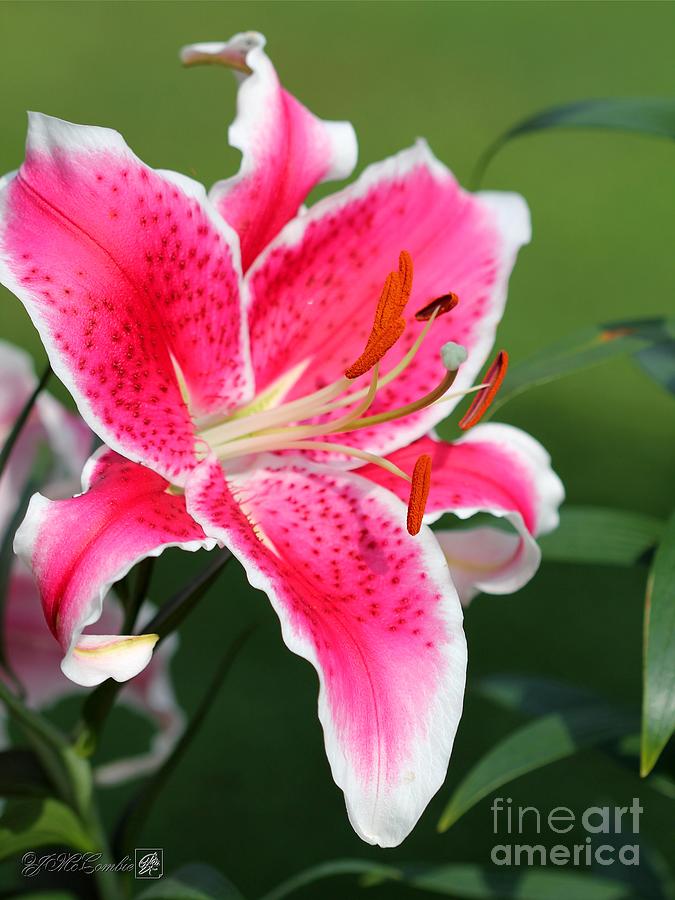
{"x":310,"y":423}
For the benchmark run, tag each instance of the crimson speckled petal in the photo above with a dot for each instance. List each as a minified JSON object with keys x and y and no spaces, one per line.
{"x":127,"y":273}
{"x":314,"y":291}
{"x":496,"y":469}
{"x":286,"y":150}
{"x":78,"y":548}
{"x":371,"y":607}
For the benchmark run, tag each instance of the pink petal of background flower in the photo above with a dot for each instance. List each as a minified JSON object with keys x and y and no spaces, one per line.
{"x":34,"y":657}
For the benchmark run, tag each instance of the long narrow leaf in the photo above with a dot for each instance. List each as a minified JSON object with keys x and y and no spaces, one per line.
{"x":475,"y":882}
{"x":659,"y":363}
{"x":49,"y":744}
{"x":30,"y":823}
{"x":168,"y":618}
{"x":462,"y":880}
{"x":653,"y":116}
{"x":592,"y":534}
{"x":533,"y":695}
{"x":658,"y":707}
{"x":134,"y":816}
{"x":588,"y":347}
{"x":21,"y":774}
{"x":534,"y":745}
{"x":192,"y":882}
{"x":172,"y":613}
{"x":371,"y":871}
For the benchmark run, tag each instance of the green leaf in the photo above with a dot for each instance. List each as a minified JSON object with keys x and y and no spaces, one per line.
{"x":372,"y":873}
{"x":70,"y":775}
{"x":21,"y":774}
{"x":192,"y":882}
{"x":137,"y":811}
{"x":31,"y":823}
{"x":478,"y":882}
{"x":580,"y":350}
{"x":593,"y":534}
{"x":641,"y":115}
{"x":658,"y":702}
{"x":173,"y":612}
{"x":536,"y":744}
{"x":659,"y":363}
{"x":45,"y":895}
{"x":533,"y":695}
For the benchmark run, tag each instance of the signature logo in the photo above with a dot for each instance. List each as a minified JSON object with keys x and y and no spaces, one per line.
{"x":89,"y":863}
{"x":149,"y":862}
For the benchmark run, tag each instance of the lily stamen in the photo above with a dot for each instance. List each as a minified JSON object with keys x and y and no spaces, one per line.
{"x":483,"y":400}
{"x":392,"y":375}
{"x":289,"y":426}
{"x":389,"y":324}
{"x":419,"y":492}
{"x":330,"y":447}
{"x":439,"y":306}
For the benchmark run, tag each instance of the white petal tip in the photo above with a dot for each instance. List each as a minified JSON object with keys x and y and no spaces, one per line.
{"x":345,"y":150}
{"x":97,"y":657}
{"x":233,"y":53}
{"x":512,"y":215}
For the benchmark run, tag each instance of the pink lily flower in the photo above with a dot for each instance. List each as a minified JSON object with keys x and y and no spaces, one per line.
{"x":32,"y":653}
{"x":231,"y":351}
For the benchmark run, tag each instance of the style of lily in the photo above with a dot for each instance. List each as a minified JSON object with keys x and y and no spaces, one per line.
{"x":32,"y":653}
{"x":253,"y":391}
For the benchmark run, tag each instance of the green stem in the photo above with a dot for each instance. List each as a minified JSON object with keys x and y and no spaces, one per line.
{"x":138,"y":593}
{"x":108,"y":883}
{"x":70,"y":775}
{"x":22,"y":419}
{"x":48,"y":743}
{"x":174,"y":611}
{"x":137,"y":811}
{"x":98,"y":704}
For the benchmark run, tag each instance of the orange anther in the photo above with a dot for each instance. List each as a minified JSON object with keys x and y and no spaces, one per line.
{"x":389,"y":324}
{"x":483,"y":399}
{"x":375,"y":350}
{"x":419,"y":492}
{"x":443,"y":304}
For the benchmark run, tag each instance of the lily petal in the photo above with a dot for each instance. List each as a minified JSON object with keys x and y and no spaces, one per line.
{"x":128,"y":274}
{"x":372,"y":608}
{"x":286,"y":150}
{"x":78,"y":548}
{"x":496,"y":469}
{"x":314,"y":291}
{"x":34,"y":657}
{"x":488,"y":560}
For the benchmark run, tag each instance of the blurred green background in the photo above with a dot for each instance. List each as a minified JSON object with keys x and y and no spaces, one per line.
{"x":254,"y":796}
